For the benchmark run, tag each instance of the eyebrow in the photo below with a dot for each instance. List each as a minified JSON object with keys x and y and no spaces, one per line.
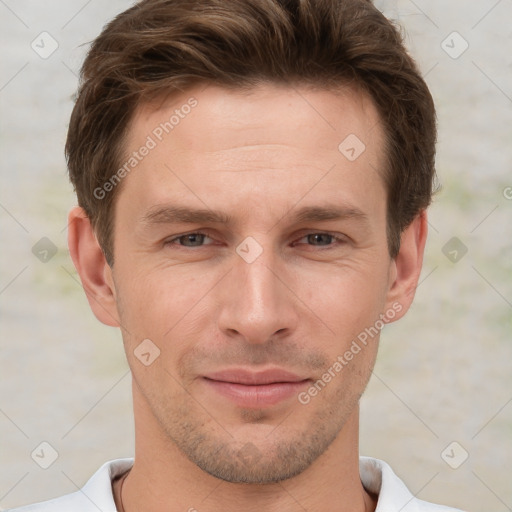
{"x":169,"y":214}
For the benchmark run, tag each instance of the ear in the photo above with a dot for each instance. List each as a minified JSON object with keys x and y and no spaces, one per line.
{"x":406,"y":267}
{"x":94,"y":271}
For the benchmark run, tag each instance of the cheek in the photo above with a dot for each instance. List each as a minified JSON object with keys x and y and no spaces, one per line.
{"x":347,"y":299}
{"x":157,"y":303}
{"x":153,"y":307}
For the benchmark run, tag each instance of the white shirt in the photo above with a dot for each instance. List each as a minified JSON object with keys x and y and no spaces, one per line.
{"x":96,"y":495}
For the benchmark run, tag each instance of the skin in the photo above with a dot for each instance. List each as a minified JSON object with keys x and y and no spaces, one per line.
{"x":259,"y":156}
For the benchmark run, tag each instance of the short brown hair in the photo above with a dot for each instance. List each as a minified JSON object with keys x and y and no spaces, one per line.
{"x":160,"y":46}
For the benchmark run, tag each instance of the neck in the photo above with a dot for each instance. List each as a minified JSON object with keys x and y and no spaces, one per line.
{"x":164,"y":479}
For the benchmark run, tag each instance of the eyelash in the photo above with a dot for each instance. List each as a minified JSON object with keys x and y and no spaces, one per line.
{"x":335,"y":237}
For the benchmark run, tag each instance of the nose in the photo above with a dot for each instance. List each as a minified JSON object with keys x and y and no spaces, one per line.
{"x":258,"y":301}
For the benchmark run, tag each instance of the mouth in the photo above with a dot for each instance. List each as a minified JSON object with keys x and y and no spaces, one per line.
{"x":255,"y":389}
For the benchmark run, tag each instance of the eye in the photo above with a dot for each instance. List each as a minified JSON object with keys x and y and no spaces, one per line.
{"x":322,"y":239}
{"x":195,"y":239}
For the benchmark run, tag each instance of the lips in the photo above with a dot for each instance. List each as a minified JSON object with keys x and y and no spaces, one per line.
{"x":240,"y":376}
{"x":255,"y":389}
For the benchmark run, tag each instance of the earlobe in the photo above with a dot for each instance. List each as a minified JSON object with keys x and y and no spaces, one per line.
{"x":407,"y":264}
{"x":92,"y":267}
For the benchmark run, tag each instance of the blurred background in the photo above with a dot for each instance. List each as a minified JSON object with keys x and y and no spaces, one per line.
{"x":439,"y":406}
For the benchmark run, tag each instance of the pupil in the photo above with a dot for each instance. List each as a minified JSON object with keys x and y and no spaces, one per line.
{"x":193,"y":238}
{"x":318,"y":237}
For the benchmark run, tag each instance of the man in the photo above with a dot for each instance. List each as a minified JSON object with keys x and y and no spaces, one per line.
{"x":253,"y":178}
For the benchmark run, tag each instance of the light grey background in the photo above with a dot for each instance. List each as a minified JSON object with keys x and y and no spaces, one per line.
{"x":444,"y":372}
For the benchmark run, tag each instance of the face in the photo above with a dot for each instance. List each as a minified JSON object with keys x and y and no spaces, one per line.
{"x":251,"y":251}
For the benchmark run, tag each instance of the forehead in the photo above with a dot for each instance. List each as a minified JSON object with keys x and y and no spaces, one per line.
{"x":256,"y":114}
{"x":256,"y":145}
